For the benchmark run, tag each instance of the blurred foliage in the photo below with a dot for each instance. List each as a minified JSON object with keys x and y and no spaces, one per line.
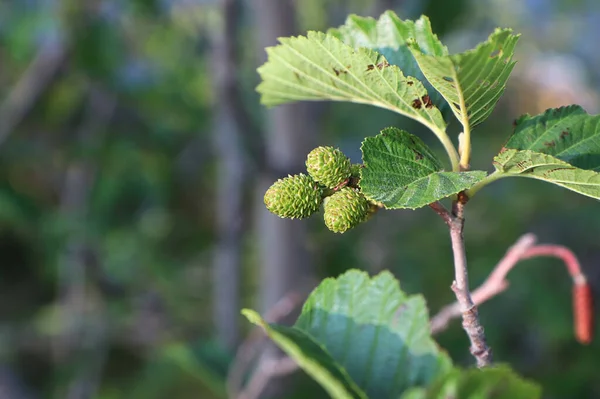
{"x":147,"y":219}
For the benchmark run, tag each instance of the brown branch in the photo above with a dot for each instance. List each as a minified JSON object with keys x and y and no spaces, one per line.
{"x":35,"y":80}
{"x":441,"y":210}
{"x":267,"y":369}
{"x":471,"y":324}
{"x":232,"y":174}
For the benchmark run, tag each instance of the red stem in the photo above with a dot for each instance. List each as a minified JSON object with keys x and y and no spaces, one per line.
{"x":563,"y":253}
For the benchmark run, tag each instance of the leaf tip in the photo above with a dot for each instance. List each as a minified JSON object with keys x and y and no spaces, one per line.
{"x":253,"y":317}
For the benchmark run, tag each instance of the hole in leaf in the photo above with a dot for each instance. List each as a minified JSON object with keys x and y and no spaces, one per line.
{"x":496,"y":53}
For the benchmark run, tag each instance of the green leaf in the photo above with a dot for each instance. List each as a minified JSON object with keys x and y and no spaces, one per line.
{"x":473,"y":81}
{"x":567,"y":133}
{"x":401,"y":172}
{"x":389,"y":36}
{"x":311,"y":356}
{"x":489,"y":383}
{"x":375,"y":331}
{"x":321,"y":67}
{"x":545,"y":167}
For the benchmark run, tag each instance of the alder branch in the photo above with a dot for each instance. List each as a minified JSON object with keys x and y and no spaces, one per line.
{"x":471,"y":324}
{"x":441,"y":210}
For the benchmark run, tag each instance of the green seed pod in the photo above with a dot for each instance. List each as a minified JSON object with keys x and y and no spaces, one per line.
{"x":294,"y":197}
{"x":329,"y":166}
{"x":345,"y":209}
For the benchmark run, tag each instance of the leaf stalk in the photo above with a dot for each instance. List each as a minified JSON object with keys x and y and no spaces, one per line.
{"x":492,"y":177}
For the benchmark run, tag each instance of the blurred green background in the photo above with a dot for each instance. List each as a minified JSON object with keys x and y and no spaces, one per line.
{"x":134,"y":154}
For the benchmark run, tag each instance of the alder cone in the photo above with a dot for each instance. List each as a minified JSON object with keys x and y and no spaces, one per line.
{"x":584,"y":313}
{"x":294,"y":197}
{"x":345,"y":209}
{"x":328,"y":166}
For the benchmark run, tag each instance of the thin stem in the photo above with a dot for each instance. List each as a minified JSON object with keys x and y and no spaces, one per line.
{"x":563,"y":253}
{"x":487,"y":180}
{"x":471,"y":324}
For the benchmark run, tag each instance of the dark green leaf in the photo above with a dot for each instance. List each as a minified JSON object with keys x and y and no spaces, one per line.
{"x":401,"y":172}
{"x":489,"y":383}
{"x":311,"y":356}
{"x":567,"y":133}
{"x":375,"y":331}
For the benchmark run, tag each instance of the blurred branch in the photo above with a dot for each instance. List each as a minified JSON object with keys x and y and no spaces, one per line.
{"x":290,"y":133}
{"x":496,"y":283}
{"x":232,"y":173}
{"x":35,"y":80}
{"x":250,"y":348}
{"x":267,"y":369}
{"x":82,"y":333}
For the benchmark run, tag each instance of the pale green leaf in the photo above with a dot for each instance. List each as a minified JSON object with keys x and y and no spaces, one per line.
{"x":375,"y":331}
{"x":489,"y":383}
{"x":473,"y":81}
{"x":322,"y":67}
{"x":311,"y":356}
{"x":567,"y":133}
{"x":401,"y":172}
{"x":545,"y":167}
{"x":389,"y":36}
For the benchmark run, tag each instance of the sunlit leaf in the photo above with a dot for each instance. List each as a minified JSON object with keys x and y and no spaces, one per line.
{"x":322,"y":67}
{"x":389,"y":36}
{"x":473,"y":81}
{"x":536,"y":165}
